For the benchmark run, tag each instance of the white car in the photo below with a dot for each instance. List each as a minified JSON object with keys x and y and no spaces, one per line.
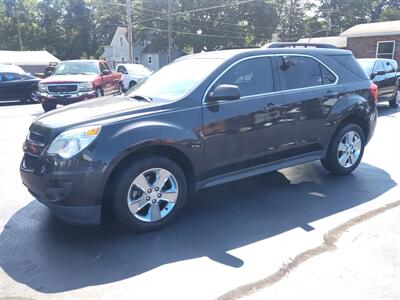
{"x":132,"y":74}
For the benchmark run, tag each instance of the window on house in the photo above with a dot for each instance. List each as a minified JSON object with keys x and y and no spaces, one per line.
{"x":150,"y":59}
{"x":136,"y":59}
{"x":385,"y":49}
{"x":121,"y":42}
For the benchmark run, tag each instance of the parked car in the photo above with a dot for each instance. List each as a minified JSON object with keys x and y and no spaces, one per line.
{"x":15,"y":84}
{"x":203,"y":120}
{"x":385,"y":74}
{"x":132,"y":74}
{"x":78,"y":80}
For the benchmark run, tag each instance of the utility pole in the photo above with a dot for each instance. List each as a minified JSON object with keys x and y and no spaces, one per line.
{"x":329,"y":19}
{"x":129,"y":21}
{"x":169,"y":32}
{"x":21,"y":48}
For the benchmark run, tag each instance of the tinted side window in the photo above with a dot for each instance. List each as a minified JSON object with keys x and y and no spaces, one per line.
{"x":102,"y":68}
{"x":106,"y":66}
{"x":11,"y":76}
{"x":327,"y":76}
{"x":299,"y":72}
{"x":252,"y":76}
{"x":389,"y":68}
{"x":121,"y":69}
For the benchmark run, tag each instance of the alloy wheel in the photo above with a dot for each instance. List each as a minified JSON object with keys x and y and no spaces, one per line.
{"x":349,"y":149}
{"x":34,"y":96}
{"x":152,"y":195}
{"x":397,"y":99}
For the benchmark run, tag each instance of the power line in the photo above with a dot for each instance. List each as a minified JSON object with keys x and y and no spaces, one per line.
{"x":213,"y":7}
{"x":195,"y":34}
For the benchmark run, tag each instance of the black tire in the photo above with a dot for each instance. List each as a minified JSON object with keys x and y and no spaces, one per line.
{"x":123,"y":187}
{"x":132,"y":84}
{"x":47,"y":106}
{"x":33,"y":97}
{"x":99,"y":92}
{"x":395,"y":102}
{"x":331,"y":161}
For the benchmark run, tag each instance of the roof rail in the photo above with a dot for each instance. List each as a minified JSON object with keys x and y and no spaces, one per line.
{"x":303,"y":45}
{"x":233,"y":48}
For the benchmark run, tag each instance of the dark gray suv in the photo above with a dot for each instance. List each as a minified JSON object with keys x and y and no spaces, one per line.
{"x":203,"y":120}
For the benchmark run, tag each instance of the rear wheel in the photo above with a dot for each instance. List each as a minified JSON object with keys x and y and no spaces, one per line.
{"x":395,"y":102}
{"x":132,"y":84}
{"x":149,"y":194}
{"x":99,"y":93}
{"x":34,"y":96}
{"x":345,"y":151}
{"x":47,"y":106}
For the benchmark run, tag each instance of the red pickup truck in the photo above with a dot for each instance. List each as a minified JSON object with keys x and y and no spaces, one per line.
{"x":78,"y":80}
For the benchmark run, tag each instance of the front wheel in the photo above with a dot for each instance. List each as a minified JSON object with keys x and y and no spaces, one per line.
{"x":48,"y":106}
{"x":149,"y":194}
{"x":346,"y":150}
{"x":99,"y":93}
{"x":395,"y":102}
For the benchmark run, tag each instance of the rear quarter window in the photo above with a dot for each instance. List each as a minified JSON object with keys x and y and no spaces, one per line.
{"x":349,"y":62}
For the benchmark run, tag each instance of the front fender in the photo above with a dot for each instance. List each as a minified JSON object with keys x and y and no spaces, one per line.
{"x":124,"y":140}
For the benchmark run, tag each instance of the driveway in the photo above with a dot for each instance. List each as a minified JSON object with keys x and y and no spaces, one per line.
{"x":228,"y":236}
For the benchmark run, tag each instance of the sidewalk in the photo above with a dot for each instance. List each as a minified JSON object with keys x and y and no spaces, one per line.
{"x":363,"y":266}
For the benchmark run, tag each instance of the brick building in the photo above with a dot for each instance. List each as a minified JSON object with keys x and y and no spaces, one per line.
{"x":370,"y":40}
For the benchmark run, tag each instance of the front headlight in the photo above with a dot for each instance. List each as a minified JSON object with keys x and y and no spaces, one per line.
{"x":73,"y":141}
{"x":42,"y":87}
{"x":85,"y":86}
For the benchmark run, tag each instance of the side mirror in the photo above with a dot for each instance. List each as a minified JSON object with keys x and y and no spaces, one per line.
{"x":224,"y":92}
{"x":106,"y":72}
{"x":379,"y":73}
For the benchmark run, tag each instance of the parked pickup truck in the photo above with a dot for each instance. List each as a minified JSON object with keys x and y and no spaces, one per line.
{"x":384,"y":73}
{"x":78,"y":80}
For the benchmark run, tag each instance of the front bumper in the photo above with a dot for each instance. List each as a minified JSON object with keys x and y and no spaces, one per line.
{"x":65,"y":99}
{"x":66,"y":193}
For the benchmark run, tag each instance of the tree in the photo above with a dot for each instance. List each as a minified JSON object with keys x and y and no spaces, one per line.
{"x":292,"y":20}
{"x":390,"y":14}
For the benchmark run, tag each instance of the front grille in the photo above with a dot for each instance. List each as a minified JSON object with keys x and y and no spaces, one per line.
{"x":63,"y":88}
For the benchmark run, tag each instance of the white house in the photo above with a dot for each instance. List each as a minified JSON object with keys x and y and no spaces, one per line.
{"x":144,"y":52}
{"x":30,"y":61}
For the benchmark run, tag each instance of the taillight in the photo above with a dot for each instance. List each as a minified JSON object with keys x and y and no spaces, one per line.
{"x":373,"y":88}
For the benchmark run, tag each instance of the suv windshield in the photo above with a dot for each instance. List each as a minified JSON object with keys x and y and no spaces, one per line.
{"x":71,"y":68}
{"x":176,"y":79}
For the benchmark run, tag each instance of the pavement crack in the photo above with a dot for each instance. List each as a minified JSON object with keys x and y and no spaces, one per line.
{"x":329,"y":243}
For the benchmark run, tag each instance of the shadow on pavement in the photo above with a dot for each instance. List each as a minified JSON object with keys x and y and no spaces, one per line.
{"x":38,"y":250}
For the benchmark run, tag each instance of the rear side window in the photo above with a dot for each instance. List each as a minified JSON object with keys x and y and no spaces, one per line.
{"x":11,"y":76}
{"x":253,"y":76}
{"x":351,"y":64}
{"x":300,"y":72}
{"x":389,"y":67}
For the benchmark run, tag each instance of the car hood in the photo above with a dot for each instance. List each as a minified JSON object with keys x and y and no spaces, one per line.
{"x":69,"y":78}
{"x":98,"y":111}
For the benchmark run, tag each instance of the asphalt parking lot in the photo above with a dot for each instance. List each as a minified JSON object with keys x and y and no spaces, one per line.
{"x":229,"y":241}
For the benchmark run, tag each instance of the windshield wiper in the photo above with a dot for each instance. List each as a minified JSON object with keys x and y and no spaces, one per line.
{"x":140,"y":97}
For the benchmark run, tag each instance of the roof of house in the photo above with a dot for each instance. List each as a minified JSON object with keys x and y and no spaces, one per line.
{"x":373,"y":29}
{"x":338,"y":41}
{"x":27,"y":58}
